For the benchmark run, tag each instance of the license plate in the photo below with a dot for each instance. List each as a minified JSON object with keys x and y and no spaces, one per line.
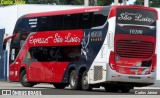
{"x":133,"y":69}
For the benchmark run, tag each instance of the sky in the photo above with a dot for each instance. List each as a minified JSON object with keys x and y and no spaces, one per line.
{"x":128,"y":2}
{"x":131,"y":1}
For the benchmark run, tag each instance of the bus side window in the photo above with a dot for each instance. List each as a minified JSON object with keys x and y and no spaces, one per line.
{"x":43,"y":24}
{"x":100,"y":18}
{"x":85,"y":20}
{"x":56,"y":23}
{"x":70,"y":21}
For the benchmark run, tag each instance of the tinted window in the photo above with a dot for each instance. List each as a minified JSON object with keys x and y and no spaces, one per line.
{"x":43,"y":24}
{"x":56,"y":23}
{"x":85,"y":20}
{"x":22,"y":30}
{"x":70,"y":21}
{"x":100,"y":18}
{"x":48,"y":54}
{"x":28,"y":24}
{"x":23,"y":23}
{"x":19,"y":39}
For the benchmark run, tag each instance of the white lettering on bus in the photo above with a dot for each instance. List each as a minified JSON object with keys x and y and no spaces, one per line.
{"x":141,"y":18}
{"x":136,"y":16}
{"x":33,"y":19}
{"x":34,"y":41}
{"x":134,"y":31}
{"x":125,"y":16}
{"x":68,"y":38}
{"x":58,"y":39}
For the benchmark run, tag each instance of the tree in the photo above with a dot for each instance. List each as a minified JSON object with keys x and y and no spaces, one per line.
{"x":107,"y":2}
{"x":139,"y":2}
{"x":58,"y":2}
{"x":73,"y":2}
{"x":152,"y":3}
{"x":70,"y":2}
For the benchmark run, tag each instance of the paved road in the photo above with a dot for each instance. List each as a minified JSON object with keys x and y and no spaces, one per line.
{"x":50,"y":89}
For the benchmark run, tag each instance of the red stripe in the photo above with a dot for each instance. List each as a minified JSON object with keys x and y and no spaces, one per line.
{"x":113,"y":10}
{"x":62,"y":12}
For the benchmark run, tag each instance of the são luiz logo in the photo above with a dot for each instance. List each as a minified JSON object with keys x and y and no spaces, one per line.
{"x":10,"y":2}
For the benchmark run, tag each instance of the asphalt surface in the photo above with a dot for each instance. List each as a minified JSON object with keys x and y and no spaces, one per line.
{"x":51,"y":92}
{"x":49,"y":89}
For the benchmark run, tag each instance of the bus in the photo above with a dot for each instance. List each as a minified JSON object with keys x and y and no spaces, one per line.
{"x":102,"y":46}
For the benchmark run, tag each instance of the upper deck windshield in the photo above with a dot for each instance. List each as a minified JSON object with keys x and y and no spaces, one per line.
{"x":136,"y":17}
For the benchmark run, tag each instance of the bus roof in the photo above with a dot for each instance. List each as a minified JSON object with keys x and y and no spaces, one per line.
{"x":85,"y":9}
{"x":62,"y":12}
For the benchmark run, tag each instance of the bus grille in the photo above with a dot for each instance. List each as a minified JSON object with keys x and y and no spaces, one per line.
{"x":98,"y":73}
{"x":134,"y":49}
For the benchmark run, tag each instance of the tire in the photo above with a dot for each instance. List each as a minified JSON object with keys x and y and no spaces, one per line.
{"x":59,"y":85}
{"x":75,"y":83}
{"x":111,"y":89}
{"x":23,"y":80}
{"x":84,"y":82}
{"x":125,"y":90}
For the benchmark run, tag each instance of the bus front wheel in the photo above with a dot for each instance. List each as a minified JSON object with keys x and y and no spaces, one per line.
{"x":23,"y":79}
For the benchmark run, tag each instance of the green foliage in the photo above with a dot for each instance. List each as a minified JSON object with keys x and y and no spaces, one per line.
{"x":58,"y":2}
{"x":139,"y":2}
{"x":104,"y":2}
{"x":152,"y":3}
{"x":70,"y":2}
{"x":155,"y":3}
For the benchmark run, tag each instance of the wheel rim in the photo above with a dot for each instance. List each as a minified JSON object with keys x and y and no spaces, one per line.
{"x":25,"y":78}
{"x":73,"y":80}
{"x":85,"y":81}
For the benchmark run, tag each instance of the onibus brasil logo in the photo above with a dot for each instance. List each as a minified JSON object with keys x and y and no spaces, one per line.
{"x":10,"y":2}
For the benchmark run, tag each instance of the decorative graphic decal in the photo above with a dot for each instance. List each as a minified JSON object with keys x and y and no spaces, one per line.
{"x":139,"y":64}
{"x":68,"y":38}
{"x":145,"y":71}
{"x":56,"y":38}
{"x":96,"y":36}
{"x":131,"y":66}
{"x":135,"y":17}
{"x":33,"y":22}
{"x":34,"y":41}
{"x":55,"y":54}
{"x":85,"y":42}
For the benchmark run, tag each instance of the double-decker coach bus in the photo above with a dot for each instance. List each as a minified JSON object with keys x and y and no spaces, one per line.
{"x":112,"y":46}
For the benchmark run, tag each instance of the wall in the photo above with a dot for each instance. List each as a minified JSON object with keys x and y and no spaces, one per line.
{"x":158,"y":46}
